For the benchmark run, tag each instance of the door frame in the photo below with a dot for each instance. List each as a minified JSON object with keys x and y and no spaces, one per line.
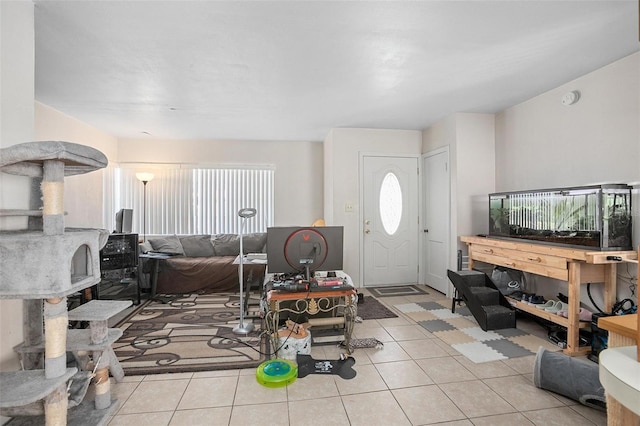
{"x":423,"y":259}
{"x":361,"y":157}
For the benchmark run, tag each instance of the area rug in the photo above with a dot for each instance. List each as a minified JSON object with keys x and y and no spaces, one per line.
{"x":371,"y":308}
{"x":193,"y":332}
{"x":400,"y":290}
{"x":462,"y":332}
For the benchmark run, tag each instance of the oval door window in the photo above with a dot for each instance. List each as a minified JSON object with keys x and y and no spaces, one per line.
{"x":390,"y":203}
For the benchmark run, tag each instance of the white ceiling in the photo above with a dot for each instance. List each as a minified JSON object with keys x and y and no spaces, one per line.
{"x":293,"y":70}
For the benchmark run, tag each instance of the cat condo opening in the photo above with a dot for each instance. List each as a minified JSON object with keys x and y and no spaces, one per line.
{"x":597,"y":216}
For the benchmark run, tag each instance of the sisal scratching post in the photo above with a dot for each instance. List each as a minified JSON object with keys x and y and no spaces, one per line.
{"x":53,"y":197}
{"x":99,"y":331}
{"x":55,"y":359}
{"x":102,"y":387}
{"x":55,"y":309}
{"x":55,"y":407}
{"x":56,"y":320}
{"x":55,"y":349}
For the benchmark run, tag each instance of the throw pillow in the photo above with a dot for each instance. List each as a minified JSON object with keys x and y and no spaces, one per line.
{"x":169,"y":244}
{"x":226,"y":244}
{"x":197,"y":246}
{"x":145,"y":247}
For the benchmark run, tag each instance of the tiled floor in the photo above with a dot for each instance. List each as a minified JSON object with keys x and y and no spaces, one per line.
{"x":416,"y":379}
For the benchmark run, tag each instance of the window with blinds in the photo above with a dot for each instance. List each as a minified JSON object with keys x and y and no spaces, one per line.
{"x":189,"y":199}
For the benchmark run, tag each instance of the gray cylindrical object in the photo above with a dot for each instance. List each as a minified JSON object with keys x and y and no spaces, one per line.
{"x":571,"y":377}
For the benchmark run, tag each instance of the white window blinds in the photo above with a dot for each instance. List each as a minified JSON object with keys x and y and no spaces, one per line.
{"x":190,"y":199}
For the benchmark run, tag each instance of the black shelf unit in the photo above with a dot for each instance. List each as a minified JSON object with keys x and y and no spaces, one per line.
{"x":118,"y":266}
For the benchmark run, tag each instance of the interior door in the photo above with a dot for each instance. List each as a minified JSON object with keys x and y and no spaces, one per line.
{"x":390,"y":220}
{"x":436,"y":220}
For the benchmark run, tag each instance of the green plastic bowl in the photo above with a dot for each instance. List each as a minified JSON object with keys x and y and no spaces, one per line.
{"x":275,"y":373}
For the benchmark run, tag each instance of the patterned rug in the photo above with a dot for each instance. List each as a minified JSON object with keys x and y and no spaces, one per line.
{"x":462,"y":332}
{"x":193,"y":332}
{"x":399,"y":290}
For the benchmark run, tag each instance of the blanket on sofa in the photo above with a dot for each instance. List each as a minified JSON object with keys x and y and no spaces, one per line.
{"x":213,"y":274}
{"x":204,"y":263}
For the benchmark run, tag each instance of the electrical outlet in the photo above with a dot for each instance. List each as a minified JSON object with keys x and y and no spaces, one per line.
{"x":348,"y":208}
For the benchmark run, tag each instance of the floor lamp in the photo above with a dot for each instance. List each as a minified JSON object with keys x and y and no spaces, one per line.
{"x":144,"y":178}
{"x":243,"y":328}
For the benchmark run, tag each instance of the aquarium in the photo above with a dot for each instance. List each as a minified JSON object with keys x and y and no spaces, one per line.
{"x":597,"y":217}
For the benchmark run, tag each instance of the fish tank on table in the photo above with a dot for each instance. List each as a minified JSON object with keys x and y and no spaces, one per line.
{"x":597,"y":217}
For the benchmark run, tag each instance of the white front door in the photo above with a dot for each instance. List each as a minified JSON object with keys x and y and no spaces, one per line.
{"x":436,"y":219}
{"x":390,"y":220}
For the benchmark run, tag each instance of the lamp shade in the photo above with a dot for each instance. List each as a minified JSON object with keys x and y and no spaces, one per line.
{"x":247,"y":212}
{"x":144,"y":177}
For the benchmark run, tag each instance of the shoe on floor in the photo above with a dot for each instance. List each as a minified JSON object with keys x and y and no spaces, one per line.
{"x":549,"y":304}
{"x":557,"y":307}
{"x":536,"y":300}
{"x":585,"y":314}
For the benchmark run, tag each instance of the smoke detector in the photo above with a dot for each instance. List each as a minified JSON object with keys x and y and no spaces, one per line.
{"x":571,"y":98}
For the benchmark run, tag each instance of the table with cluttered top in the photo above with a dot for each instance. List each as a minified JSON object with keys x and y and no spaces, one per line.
{"x":321,"y":302}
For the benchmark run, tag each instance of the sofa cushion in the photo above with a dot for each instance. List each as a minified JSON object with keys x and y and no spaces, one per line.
{"x":168,"y":244}
{"x":229,"y":244}
{"x":226,"y":244}
{"x":255,"y":243}
{"x":197,"y":246}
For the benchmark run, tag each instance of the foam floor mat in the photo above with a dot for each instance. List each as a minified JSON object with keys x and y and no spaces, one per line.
{"x":461,"y":331}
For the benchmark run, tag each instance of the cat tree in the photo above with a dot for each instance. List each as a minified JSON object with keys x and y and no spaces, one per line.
{"x":43,"y":266}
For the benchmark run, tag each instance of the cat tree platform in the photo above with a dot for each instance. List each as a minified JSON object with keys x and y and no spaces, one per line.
{"x":38,"y":266}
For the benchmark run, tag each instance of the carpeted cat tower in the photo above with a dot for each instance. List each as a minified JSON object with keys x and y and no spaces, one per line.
{"x":42,"y":265}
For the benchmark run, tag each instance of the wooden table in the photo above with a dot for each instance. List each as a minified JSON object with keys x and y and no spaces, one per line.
{"x":623,"y":329}
{"x":340,"y":303}
{"x":573,"y":265}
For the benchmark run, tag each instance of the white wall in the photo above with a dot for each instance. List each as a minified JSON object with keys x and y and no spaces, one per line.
{"x":342,"y":149}
{"x":443,"y":134}
{"x":298,"y":167}
{"x":83,"y":208}
{"x":23,"y":120}
{"x":471,"y":142}
{"x":544,"y":144}
{"x":475,"y":171}
{"x":16,"y":116}
{"x":470,"y":139}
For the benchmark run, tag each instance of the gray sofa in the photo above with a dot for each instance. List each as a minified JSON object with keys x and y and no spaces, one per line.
{"x":204,"y":263}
